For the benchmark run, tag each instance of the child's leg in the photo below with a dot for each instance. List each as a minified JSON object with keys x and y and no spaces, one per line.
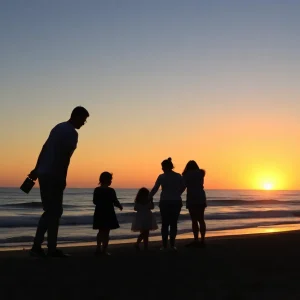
{"x":140,"y":238}
{"x":146,"y":239}
{"x":105,"y":239}
{"x":99,"y":240}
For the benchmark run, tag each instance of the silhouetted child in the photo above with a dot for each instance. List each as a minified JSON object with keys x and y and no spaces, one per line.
{"x":105,"y":218}
{"x":144,"y":219}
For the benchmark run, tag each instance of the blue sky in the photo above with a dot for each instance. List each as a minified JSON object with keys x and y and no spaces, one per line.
{"x":71,"y":48}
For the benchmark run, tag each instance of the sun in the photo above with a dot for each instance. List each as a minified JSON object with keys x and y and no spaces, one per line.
{"x":268,"y":186}
{"x":268,"y":180}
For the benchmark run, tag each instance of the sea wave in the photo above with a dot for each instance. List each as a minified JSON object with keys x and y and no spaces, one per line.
{"x":126,"y":217}
{"x":30,"y":205}
{"x":238,"y":202}
{"x":26,"y":239}
{"x":212,"y":203}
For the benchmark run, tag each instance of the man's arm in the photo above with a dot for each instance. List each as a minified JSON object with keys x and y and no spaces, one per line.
{"x":68,"y":146}
{"x":33,"y":174}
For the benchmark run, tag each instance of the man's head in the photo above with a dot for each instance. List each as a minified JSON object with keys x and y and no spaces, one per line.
{"x":79,"y":116}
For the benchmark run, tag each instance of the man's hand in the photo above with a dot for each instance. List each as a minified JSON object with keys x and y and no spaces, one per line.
{"x":121,"y":207}
{"x":33,"y":175}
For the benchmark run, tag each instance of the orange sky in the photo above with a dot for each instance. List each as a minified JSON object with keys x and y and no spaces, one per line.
{"x":240,"y":153}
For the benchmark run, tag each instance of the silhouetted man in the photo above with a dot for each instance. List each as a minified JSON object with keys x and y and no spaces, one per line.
{"x":51,"y":170}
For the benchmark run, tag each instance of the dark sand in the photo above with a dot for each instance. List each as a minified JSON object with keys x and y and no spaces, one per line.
{"x":246,"y":267}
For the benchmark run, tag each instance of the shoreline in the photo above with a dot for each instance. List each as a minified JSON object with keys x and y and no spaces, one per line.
{"x":156,"y":240}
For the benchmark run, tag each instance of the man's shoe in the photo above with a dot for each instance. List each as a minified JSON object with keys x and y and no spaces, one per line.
{"x":57,"y":253}
{"x":36,"y":251}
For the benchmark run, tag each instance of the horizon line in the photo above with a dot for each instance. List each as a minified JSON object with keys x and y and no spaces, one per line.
{"x":135,"y":188}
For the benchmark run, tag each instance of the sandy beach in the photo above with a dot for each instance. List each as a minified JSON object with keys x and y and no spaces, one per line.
{"x":242,"y":267}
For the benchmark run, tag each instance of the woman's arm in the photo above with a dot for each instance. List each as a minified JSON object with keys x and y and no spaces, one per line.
{"x":182,"y":185}
{"x":155,"y":188}
{"x":95,"y":198}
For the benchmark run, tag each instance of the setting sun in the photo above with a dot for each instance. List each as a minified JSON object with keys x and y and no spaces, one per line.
{"x":268,"y":178}
{"x":268,"y":186}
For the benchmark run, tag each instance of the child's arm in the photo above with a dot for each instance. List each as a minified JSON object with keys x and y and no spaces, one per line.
{"x":151,"y":204}
{"x":116,"y":201}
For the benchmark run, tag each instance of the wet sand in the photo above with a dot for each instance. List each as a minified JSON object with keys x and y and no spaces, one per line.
{"x":265,"y":266}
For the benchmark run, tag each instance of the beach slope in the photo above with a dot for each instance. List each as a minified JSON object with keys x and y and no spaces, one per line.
{"x":244,"y":267}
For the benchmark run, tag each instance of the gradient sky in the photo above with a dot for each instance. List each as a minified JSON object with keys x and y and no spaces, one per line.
{"x":213,"y":81}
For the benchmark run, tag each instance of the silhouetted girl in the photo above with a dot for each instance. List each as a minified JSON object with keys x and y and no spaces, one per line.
{"x":193,"y":178}
{"x":170,"y":201}
{"x":105,"y":218}
{"x":144,"y":220}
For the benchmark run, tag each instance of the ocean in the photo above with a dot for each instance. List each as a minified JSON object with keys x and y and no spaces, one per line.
{"x":229,"y":212}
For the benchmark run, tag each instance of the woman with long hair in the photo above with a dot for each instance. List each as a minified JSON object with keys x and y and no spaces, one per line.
{"x":193,"y":178}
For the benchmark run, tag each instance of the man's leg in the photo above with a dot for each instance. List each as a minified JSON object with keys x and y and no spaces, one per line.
{"x":45,"y":192}
{"x":53,"y":225}
{"x":40,"y":231}
{"x":52,"y":197}
{"x":54,"y":210}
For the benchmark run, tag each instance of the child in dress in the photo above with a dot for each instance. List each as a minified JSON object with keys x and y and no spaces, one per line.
{"x":144,"y":220}
{"x":105,"y":218}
